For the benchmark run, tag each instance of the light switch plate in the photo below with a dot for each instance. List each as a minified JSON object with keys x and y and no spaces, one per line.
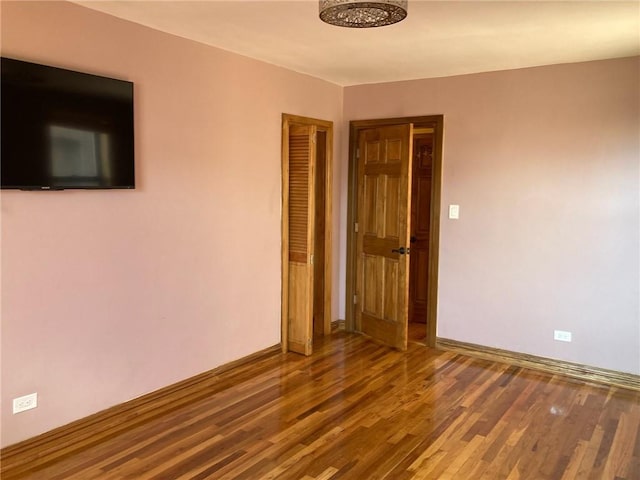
{"x":454,"y":212}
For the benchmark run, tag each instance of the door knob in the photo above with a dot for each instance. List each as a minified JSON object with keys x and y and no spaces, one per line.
{"x":401,"y":250}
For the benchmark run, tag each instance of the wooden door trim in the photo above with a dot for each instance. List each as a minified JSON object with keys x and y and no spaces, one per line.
{"x":355,"y":127}
{"x":327,"y":127}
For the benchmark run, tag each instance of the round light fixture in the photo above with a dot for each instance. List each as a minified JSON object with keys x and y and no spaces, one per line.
{"x":357,"y":14}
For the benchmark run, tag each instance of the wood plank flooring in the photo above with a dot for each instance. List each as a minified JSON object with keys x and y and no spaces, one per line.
{"x":417,"y":332}
{"x":357,"y":410}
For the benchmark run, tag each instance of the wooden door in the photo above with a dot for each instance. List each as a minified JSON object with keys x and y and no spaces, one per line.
{"x":420,"y":226}
{"x":301,"y":165}
{"x":319,"y":313}
{"x":384,"y":196}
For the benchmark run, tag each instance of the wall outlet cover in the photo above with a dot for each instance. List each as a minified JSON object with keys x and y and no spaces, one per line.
{"x":26,"y":402}
{"x":562,"y":336}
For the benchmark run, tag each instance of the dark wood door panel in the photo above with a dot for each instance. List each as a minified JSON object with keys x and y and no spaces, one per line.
{"x":422,"y":180}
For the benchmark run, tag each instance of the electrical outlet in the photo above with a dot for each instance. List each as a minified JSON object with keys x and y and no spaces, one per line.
{"x":27,"y":402}
{"x":562,"y":336}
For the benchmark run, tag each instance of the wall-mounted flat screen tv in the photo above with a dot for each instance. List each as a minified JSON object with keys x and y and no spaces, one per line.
{"x":63,"y":129}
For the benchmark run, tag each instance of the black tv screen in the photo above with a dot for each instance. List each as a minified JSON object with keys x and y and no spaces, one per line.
{"x":63,"y":129}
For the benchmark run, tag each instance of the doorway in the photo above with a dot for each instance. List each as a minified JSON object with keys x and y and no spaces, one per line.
{"x":395,"y":172}
{"x":307,"y":144}
{"x":421,"y":198}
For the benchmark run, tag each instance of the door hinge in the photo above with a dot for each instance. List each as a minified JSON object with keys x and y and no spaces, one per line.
{"x":358,"y":152}
{"x":355,"y":227}
{"x":314,"y":137}
{"x":355,"y":299}
{"x":311,"y":259}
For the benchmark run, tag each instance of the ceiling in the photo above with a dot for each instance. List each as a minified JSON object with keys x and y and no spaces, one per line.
{"x":438,"y":38}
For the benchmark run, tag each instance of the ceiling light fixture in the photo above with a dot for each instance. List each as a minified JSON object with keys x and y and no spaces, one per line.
{"x":358,"y":14}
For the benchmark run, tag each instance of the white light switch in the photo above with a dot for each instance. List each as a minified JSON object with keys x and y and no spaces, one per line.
{"x":454,"y":212}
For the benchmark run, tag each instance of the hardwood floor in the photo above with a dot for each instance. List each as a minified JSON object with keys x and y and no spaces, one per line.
{"x":417,"y":332}
{"x":357,"y":410}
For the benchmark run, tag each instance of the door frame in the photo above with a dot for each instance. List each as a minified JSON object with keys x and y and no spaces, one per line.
{"x":355,"y":127}
{"x":327,"y":127}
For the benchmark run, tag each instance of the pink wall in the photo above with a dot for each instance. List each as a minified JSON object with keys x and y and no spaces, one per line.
{"x":110,"y":295}
{"x":107,"y":295}
{"x":544,"y":163}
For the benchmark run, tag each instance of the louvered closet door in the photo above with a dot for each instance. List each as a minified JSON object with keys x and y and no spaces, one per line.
{"x":301,"y":236}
